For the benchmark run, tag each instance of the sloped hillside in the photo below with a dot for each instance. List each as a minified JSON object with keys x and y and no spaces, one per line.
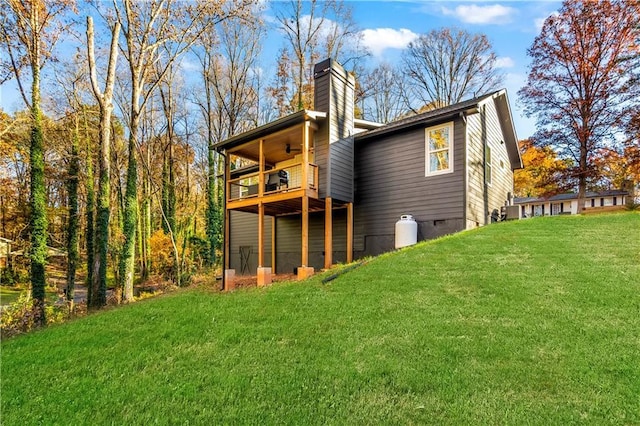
{"x":528,"y":322}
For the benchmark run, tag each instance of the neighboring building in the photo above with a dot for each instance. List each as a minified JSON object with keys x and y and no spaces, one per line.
{"x":323,"y":187}
{"x":5,"y":252}
{"x":568,"y":203}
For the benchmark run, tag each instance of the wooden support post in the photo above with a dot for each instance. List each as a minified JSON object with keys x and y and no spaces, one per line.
{"x":305,"y":231}
{"x":328,"y":233}
{"x":305,"y":155}
{"x":261,"y":170}
{"x":264,"y":273}
{"x":273,"y":244}
{"x":227,"y":217}
{"x":349,"y":232}
{"x":260,"y":234}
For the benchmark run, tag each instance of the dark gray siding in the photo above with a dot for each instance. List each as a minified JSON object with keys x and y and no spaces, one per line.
{"x":322,"y":87}
{"x":244,"y":233}
{"x":390,"y":182}
{"x":289,"y":241}
{"x":341,"y":155}
{"x":334,"y":94}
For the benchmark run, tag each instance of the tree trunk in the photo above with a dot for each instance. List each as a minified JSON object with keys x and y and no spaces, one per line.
{"x":37,"y":202}
{"x":72,"y":228}
{"x":90,"y":212}
{"x":98,"y":289}
{"x":127,"y":260}
{"x":99,"y":285}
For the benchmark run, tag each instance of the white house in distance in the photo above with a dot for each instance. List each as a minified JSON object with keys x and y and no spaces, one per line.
{"x":568,"y":203}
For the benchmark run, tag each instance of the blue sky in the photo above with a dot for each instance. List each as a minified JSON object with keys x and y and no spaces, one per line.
{"x":511,"y":26}
{"x":388,"y":26}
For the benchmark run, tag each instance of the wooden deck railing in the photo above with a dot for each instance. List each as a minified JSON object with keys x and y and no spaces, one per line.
{"x":276,"y":180}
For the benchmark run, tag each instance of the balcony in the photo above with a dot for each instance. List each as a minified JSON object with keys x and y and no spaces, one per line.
{"x":279,"y":180}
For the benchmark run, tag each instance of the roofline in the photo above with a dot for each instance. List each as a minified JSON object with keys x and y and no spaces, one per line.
{"x":272,"y":127}
{"x":366,"y":124}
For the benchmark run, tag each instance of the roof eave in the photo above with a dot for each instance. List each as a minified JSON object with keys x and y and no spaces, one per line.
{"x":272,"y":127}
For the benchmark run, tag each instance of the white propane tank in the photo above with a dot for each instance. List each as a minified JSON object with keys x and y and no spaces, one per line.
{"x":406,"y":231}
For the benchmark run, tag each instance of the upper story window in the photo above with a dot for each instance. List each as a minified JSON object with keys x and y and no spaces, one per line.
{"x":439,"y":149}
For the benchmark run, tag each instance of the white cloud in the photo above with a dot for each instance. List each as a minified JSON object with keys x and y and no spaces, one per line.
{"x":474,"y":14}
{"x":379,"y":39}
{"x":505,"y":62}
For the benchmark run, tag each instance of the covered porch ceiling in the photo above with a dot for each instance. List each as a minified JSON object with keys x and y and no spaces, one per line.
{"x":276,"y":136}
{"x":277,"y":147}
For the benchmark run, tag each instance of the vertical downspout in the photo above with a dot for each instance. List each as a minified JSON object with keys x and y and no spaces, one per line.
{"x":485,"y":188}
{"x":463,"y":117}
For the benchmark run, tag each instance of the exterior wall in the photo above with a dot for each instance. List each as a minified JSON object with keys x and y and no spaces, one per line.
{"x":341,"y":168}
{"x":289,"y":241}
{"x":484,"y":127}
{"x":476,"y":212}
{"x":244,"y":233}
{"x":334,"y":94}
{"x":390,"y":182}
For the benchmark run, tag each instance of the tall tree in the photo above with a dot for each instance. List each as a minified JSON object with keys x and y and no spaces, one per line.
{"x":29,"y":31}
{"x":579,"y":81}
{"x":228,"y":56}
{"x":149,"y":29}
{"x":313,"y":28}
{"x":98,"y":289}
{"x":446,"y":66}
{"x":384,"y":98}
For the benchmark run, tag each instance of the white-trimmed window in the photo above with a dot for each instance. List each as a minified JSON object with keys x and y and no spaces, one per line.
{"x":439,"y":149}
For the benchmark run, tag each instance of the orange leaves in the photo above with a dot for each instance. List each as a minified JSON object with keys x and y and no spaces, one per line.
{"x":542,"y":171}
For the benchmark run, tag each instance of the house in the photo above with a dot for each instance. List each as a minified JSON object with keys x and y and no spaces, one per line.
{"x":568,"y":203}
{"x":319,"y":187}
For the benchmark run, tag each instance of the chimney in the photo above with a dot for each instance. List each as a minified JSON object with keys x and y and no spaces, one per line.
{"x":334,"y":151}
{"x":334,"y":92}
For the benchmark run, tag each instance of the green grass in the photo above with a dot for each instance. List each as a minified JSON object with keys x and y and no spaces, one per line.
{"x":528,"y":322}
{"x":9,"y":295}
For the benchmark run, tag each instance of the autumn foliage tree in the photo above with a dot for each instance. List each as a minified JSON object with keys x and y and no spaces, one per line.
{"x":28,"y":32}
{"x":543,"y":171}
{"x":581,"y":80}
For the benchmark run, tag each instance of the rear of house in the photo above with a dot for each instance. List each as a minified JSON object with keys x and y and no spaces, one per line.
{"x":449,"y":168}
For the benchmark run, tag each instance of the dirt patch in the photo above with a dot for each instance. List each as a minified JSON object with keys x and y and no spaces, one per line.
{"x":252,"y":280}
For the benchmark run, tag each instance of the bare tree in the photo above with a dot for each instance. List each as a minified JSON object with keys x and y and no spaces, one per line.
{"x":581,"y":83}
{"x":446,"y":66}
{"x":98,"y":289}
{"x":148,"y":27}
{"x":313,"y":28}
{"x":228,"y":59}
{"x":384,"y":98}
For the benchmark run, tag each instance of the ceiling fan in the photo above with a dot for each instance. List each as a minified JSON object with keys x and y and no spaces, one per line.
{"x":289,"y":150}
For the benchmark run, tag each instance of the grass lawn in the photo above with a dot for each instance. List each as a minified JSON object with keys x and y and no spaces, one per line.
{"x":527,"y":322}
{"x":9,"y":295}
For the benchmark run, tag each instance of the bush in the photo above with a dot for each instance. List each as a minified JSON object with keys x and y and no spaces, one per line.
{"x":21,"y":316}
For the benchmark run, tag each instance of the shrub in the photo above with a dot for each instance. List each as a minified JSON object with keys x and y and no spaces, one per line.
{"x":21,"y":316}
